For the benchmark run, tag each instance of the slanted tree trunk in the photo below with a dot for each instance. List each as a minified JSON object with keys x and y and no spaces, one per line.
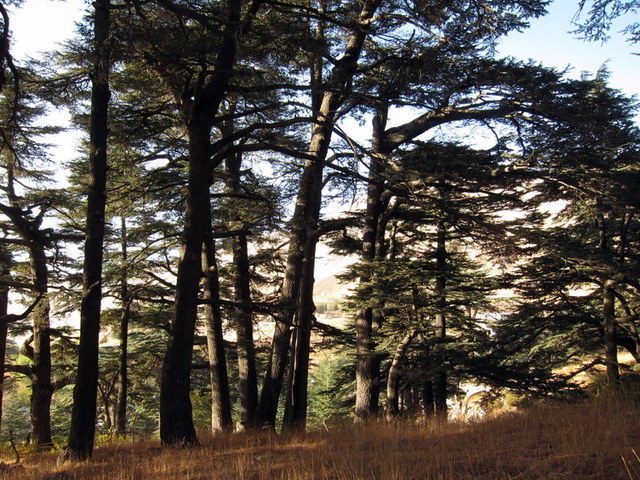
{"x":83,"y":413}
{"x":393,"y":376}
{"x":306,"y":215}
{"x":220,"y":394}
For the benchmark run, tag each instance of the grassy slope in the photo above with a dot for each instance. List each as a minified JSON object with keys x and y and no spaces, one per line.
{"x":593,"y":441}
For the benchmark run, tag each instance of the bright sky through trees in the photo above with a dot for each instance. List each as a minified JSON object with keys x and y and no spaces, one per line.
{"x":39,"y":24}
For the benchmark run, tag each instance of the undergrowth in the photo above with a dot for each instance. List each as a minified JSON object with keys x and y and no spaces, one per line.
{"x":595,"y":440}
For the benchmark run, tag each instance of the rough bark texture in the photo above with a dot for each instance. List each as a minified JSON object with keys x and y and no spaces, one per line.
{"x":83,"y":414}
{"x":220,"y":394}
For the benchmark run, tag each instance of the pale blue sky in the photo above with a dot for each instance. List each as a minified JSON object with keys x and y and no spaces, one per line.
{"x":41,"y":23}
{"x":548,"y":41}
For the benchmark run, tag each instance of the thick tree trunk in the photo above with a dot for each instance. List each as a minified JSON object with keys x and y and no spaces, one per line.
{"x":176,"y":422}
{"x":367,"y":320}
{"x":123,"y":336}
{"x":220,"y":394}
{"x":306,"y":214}
{"x":83,"y":414}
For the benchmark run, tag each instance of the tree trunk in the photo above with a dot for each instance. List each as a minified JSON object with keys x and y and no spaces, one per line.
{"x":123,"y":334}
{"x":608,"y":311}
{"x":199,"y":109}
{"x":427,"y":399}
{"x":440,"y":325}
{"x":40,"y":368}
{"x":247,"y":374}
{"x":306,"y":214}
{"x":297,"y":407}
{"x":4,"y":326}
{"x":176,"y":422}
{"x":610,"y":342}
{"x":83,"y":414}
{"x":393,"y":377}
{"x":220,"y":394}
{"x":41,"y":387}
{"x":367,"y":365}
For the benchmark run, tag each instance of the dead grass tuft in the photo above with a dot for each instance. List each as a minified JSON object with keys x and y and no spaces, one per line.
{"x":597,"y":441}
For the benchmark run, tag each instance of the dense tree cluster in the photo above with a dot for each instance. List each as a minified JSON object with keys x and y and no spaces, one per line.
{"x":492,"y":205}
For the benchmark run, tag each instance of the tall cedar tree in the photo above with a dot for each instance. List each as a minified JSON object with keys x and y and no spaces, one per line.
{"x":83,"y":413}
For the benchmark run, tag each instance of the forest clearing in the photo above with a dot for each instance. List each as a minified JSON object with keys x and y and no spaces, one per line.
{"x":598,"y":440}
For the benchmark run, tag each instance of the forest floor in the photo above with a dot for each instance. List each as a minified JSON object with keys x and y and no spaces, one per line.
{"x":595,"y":440}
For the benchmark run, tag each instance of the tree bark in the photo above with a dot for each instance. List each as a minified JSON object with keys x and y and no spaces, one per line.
{"x":176,"y":422}
{"x":610,"y":342}
{"x":608,"y":310}
{"x":220,"y":393}
{"x":296,"y":417}
{"x":393,"y":377}
{"x":123,"y":334}
{"x":4,"y":326}
{"x":367,"y":320}
{"x":200,"y":102}
{"x":83,"y":414}
{"x":247,"y":373}
{"x":440,"y":324}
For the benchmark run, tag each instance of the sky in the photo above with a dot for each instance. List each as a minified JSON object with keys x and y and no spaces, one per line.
{"x":548,"y":41}
{"x":39,"y":24}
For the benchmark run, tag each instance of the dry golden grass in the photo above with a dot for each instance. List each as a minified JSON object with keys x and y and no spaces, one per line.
{"x":598,"y":440}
